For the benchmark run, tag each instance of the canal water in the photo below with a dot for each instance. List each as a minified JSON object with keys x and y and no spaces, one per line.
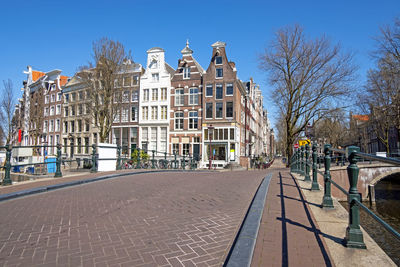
{"x":387,"y":207}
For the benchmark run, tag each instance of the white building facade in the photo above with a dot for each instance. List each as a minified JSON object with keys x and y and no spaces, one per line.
{"x":154,"y":104}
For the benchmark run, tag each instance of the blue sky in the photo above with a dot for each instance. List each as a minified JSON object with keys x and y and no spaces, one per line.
{"x":59,"y":34}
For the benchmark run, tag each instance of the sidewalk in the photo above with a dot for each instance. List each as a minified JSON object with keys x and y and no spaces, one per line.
{"x":288,"y":234}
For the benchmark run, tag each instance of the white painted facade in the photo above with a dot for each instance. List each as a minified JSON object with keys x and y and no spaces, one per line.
{"x":154,"y":104}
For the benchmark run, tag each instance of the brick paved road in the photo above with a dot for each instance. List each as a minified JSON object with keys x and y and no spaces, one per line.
{"x":139,"y":220}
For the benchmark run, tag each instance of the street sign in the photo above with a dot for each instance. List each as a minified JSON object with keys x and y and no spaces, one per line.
{"x":296,"y":145}
{"x":304,"y":142}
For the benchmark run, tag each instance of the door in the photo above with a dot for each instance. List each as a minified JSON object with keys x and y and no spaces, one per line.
{"x":196,"y":151}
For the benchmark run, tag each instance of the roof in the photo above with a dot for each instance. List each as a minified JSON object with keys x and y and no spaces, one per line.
{"x":155,"y":49}
{"x":63,"y":80}
{"x":187,"y":50}
{"x":219,"y":44}
{"x":36,"y":75}
{"x":361,"y":117}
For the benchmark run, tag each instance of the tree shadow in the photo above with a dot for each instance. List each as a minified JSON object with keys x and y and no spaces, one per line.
{"x":313,"y":228}
{"x":309,"y":203}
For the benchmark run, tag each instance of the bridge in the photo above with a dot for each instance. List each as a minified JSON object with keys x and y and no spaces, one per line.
{"x":178,"y":217}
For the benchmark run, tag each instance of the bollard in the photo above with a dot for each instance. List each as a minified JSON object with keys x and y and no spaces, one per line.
{"x":327,"y":201}
{"x":94,"y":163}
{"x":138,"y":166}
{"x":302,"y":171}
{"x":307,"y":174}
{"x":314,"y":185}
{"x":7,"y":174}
{"x":153,"y":166}
{"x":119,"y":158}
{"x":58,"y":162}
{"x":354,"y":237}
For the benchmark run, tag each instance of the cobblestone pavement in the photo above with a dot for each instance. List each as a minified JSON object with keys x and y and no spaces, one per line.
{"x":288,"y":234}
{"x":155,"y":219}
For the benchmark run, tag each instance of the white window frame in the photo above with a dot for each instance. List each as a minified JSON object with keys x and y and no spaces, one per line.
{"x":180,"y":96}
{"x":193,"y":96}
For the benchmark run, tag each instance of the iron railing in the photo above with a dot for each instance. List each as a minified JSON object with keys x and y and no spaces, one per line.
{"x":300,"y":164}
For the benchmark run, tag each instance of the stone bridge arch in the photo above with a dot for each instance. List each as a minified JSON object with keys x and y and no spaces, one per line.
{"x":384,"y":175}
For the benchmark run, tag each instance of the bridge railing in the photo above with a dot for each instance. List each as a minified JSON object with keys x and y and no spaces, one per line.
{"x":303,"y":160}
{"x":137,"y":159}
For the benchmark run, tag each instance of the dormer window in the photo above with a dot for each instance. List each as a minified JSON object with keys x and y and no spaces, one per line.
{"x":219,"y":73}
{"x":186,"y":73}
{"x":218,"y":60}
{"x":155,"y":77}
{"x":154,"y":64}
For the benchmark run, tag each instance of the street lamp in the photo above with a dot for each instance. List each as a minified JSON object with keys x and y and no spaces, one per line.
{"x":210,"y":128}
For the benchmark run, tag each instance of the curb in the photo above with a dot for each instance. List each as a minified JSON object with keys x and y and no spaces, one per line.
{"x":42,"y":189}
{"x":242,"y":249}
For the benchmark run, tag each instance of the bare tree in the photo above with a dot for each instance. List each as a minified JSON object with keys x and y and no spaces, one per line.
{"x":7,"y":106}
{"x":333,"y":129}
{"x":307,"y":76}
{"x":100,"y":78}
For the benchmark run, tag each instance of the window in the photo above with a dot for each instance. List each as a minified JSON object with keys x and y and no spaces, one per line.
{"x":79,"y":126}
{"x":57,"y":125}
{"x":232,"y":133}
{"x":133,"y":114}
{"x":53,"y":98}
{"x":127,"y":81}
{"x":193,"y":120}
{"x":175,"y":149}
{"x":218,"y":110}
{"x":72,"y":126}
{"x":219,"y":73}
{"x":73,"y":98}
{"x":179,"y":120}
{"x":163,"y":112}
{"x":117,"y":97}
{"x":125,"y":114}
{"x":186,"y":149}
{"x":155,"y":77}
{"x":58,"y":109}
{"x":145,"y":113}
{"x":154,"y":64}
{"x":117,"y":115}
{"x":81,"y":95}
{"x":209,"y":110}
{"x":79,"y":141}
{"x":135,"y":80}
{"x":87,"y":108}
{"x":145,"y":134}
{"x":87,"y":125}
{"x":163,"y":139}
{"x":193,"y":96}
{"x":51,"y":126}
{"x":53,"y":87}
{"x":80,"y":109}
{"x":86,"y":145}
{"x":116,"y":83}
{"x":154,"y":113}
{"x":65,"y":127}
{"x":146,"y":95}
{"x":209,"y":90}
{"x":229,"y":89}
{"x":72,"y":110}
{"x":135,"y":96}
{"x":59,"y":96}
{"x":52,"y":109}
{"x":66,"y":98}
{"x":46,"y":99}
{"x":186,"y":73}
{"x":154,"y":95}
{"x":229,"y":110}
{"x":218,"y":91}
{"x":46,"y":111}
{"x":125,"y":97}
{"x":218,"y":60}
{"x":164,"y":94}
{"x":179,"y":97}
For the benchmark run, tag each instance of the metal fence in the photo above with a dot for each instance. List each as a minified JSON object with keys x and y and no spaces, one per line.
{"x":302,"y":161}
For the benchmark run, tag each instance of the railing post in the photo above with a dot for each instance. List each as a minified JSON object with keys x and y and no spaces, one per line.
{"x":314,"y":185}
{"x":354,"y":236}
{"x":138,"y":166}
{"x":94,"y":160}
{"x":175,"y":161}
{"x":119,"y":158}
{"x":183,"y":162}
{"x":7,"y":172}
{"x":307,"y":174}
{"x":296,"y":160}
{"x":302,"y":171}
{"x":191,"y":163}
{"x":153,"y":166}
{"x":327,"y":201}
{"x":58,"y":162}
